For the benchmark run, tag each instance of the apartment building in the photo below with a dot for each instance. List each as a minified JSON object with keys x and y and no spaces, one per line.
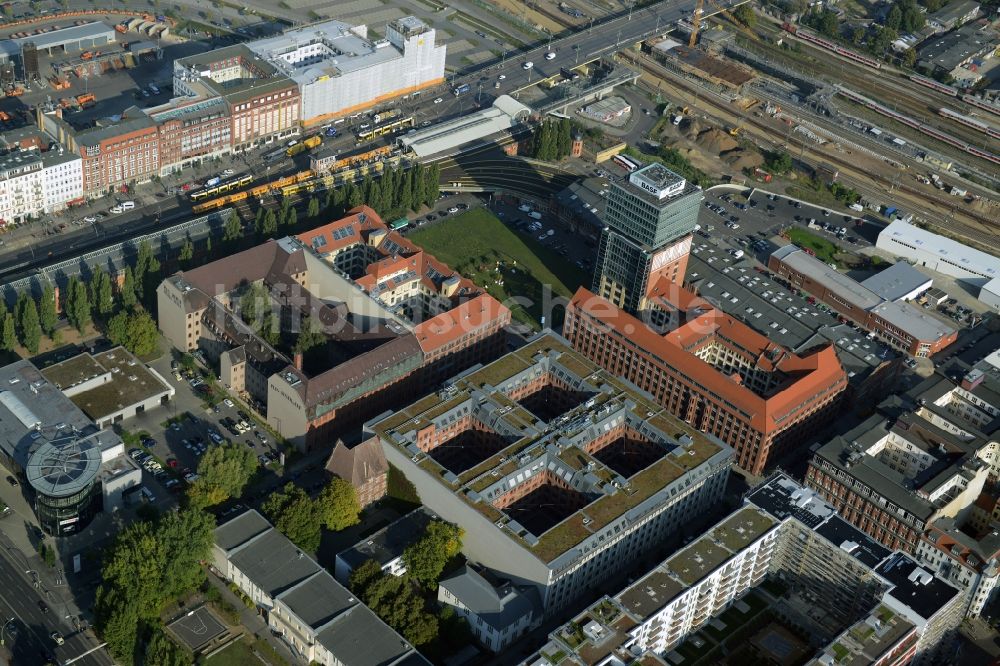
{"x":261,"y":104}
{"x":373,"y":358}
{"x":710,"y":370}
{"x":497,"y":611}
{"x":456,"y":323}
{"x":648,"y":224}
{"x":116,"y":154}
{"x":35,"y":182}
{"x":192,"y":131}
{"x":783,"y":532}
{"x":894,"y":475}
{"x":900,"y":324}
{"x":970,"y":563}
{"x":555,"y":468}
{"x":318,"y":619}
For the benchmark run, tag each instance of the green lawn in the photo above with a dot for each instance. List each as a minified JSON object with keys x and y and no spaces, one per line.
{"x":474,"y":242}
{"x":824,"y":249}
{"x":236,"y":654}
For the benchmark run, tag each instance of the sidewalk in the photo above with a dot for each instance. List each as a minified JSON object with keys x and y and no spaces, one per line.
{"x":252,"y":621}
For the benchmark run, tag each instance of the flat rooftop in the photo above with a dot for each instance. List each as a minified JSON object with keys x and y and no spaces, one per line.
{"x":527,"y":439}
{"x":805,"y":264}
{"x":897,"y":281}
{"x":127,"y":381}
{"x":915,"y":587}
{"x":68,"y":35}
{"x":748,"y":293}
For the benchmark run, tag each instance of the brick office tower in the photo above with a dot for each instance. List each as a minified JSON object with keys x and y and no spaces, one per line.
{"x":649,"y":219}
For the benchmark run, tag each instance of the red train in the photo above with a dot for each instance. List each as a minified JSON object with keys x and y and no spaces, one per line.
{"x":970,"y":122}
{"x":931,"y":83}
{"x":920,"y":127}
{"x":982,"y":104}
{"x":831,"y":46}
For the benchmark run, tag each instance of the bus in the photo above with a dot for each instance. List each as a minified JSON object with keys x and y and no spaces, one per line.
{"x":626,"y":163}
{"x":399,"y":224}
{"x":462,"y":89}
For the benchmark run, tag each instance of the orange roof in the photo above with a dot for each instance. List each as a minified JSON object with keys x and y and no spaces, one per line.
{"x":467,"y":316}
{"x":358,"y":223}
{"x":810,"y":375}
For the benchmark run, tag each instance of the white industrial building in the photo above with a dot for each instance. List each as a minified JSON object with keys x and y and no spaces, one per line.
{"x":990,"y":293}
{"x":339,"y":70}
{"x":938,"y":253}
{"x":32,"y":183}
{"x":899,"y":282}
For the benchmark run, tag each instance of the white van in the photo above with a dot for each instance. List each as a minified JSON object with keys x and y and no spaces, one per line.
{"x":737,"y":254}
{"x":127,"y":205}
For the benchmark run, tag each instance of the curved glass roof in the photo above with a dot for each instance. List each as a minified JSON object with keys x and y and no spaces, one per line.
{"x":63,"y":467}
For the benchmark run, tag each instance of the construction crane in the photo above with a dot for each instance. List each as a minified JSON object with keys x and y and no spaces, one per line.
{"x":699,"y":9}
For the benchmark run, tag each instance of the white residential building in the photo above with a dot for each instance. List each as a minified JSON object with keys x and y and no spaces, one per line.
{"x":33,"y":183}
{"x":498,"y":612}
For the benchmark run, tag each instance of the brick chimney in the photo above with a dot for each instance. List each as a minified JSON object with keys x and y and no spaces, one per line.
{"x":297,"y":361}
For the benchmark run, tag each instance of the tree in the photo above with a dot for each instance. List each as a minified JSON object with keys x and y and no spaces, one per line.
{"x":223,"y":472}
{"x":119,"y":626}
{"x":29,"y":331}
{"x":47,"y":316}
{"x":313,"y":209}
{"x":127,"y":292}
{"x":363,"y":576}
{"x":8,"y":334}
{"x":426,"y":558}
{"x":310,"y":336}
{"x":292,"y":218}
{"x":394,"y":600}
{"x":269,"y":226}
{"x":101,"y":293}
{"x":910,"y":58}
{"x":254,"y":304}
{"x":777,"y":162}
{"x":232,"y":229}
{"x":432,"y":184}
{"x":161,"y":651}
{"x":293,"y":514}
{"x":258,"y":221}
{"x":187,"y":537}
{"x":186,"y":253}
{"x":894,"y":18}
{"x":135,"y":330}
{"x":352,"y":195}
{"x":745,"y":15}
{"x":337,"y":505}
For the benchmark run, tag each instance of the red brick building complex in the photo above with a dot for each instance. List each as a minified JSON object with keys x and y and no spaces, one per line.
{"x":711,"y":370}
{"x":901,"y":325}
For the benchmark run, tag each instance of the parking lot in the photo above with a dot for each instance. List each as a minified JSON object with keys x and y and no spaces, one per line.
{"x":175,"y":438}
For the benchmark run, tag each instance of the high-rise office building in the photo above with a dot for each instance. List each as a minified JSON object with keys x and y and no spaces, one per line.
{"x":649,"y":219}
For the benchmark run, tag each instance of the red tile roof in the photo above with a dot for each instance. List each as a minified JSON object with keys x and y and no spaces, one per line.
{"x":809,"y":375}
{"x":448,"y":326}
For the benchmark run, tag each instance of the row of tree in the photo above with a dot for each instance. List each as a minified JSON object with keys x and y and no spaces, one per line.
{"x":551,"y":140}
{"x":300,"y":518}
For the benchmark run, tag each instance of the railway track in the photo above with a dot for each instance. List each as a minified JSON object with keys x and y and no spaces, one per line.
{"x":924,"y":103}
{"x":846,"y":165}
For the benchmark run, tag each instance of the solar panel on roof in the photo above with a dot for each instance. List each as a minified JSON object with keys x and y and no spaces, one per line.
{"x":344,"y":232}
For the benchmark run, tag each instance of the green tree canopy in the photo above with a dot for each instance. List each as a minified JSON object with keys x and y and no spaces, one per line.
{"x":47,"y":316}
{"x":295,"y":515}
{"x":223,"y":472}
{"x":8,"y":334}
{"x":394,"y":599}
{"x":28,"y":327}
{"x":337,"y":505}
{"x":161,"y":651}
{"x":232,"y":229}
{"x":77,"y":304}
{"x":135,"y":330}
{"x":426,"y":558}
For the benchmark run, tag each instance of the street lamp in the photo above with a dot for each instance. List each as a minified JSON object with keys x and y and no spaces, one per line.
{"x":3,"y":629}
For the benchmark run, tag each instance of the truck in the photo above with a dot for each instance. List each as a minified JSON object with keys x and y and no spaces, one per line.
{"x":462,"y":89}
{"x":86,"y":100}
{"x":889,"y":211}
{"x":303,"y":146}
{"x":857,"y":207}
